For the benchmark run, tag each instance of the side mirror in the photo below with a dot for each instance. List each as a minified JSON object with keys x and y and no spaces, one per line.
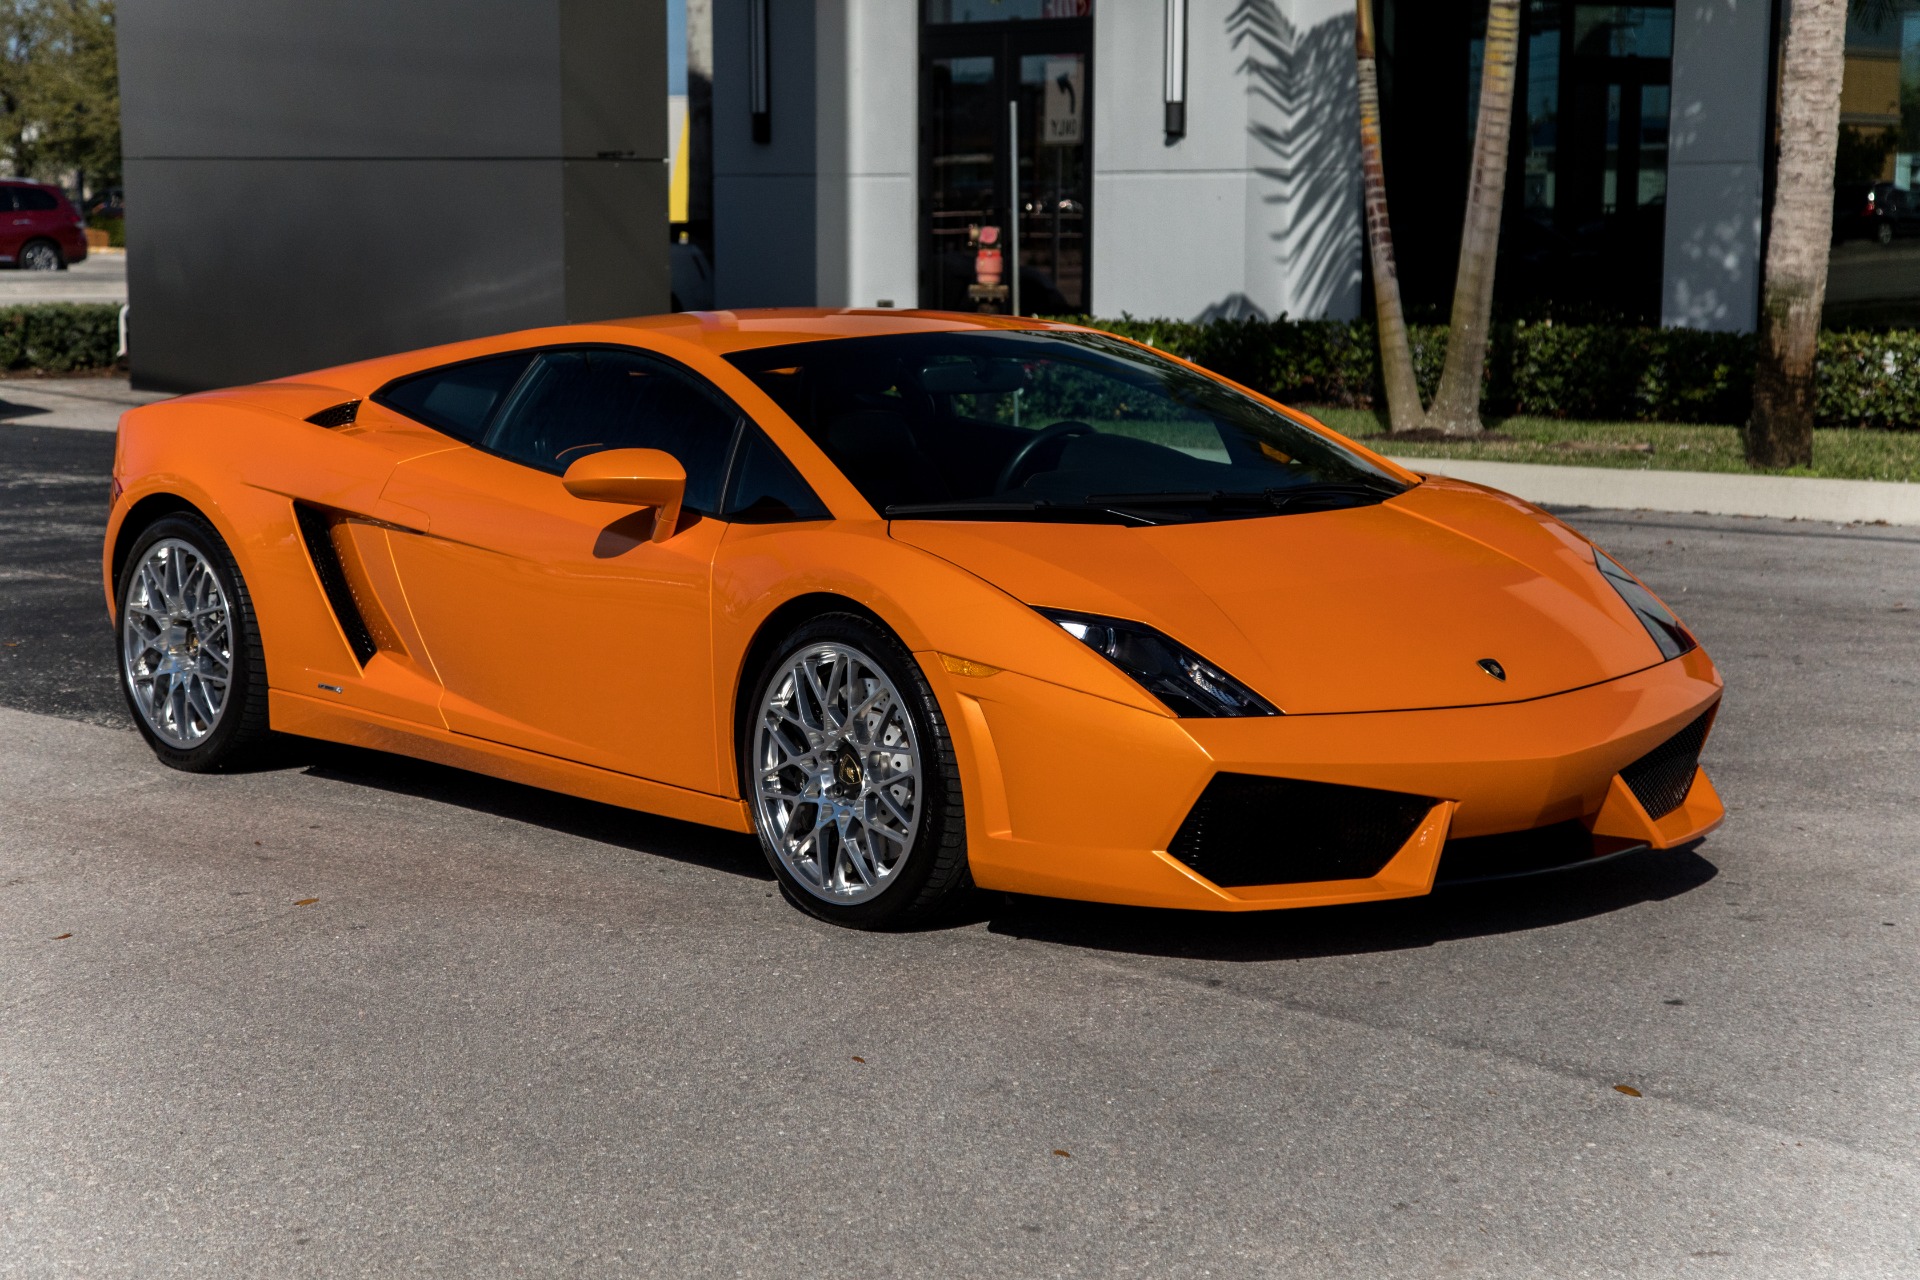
{"x":633,"y":478}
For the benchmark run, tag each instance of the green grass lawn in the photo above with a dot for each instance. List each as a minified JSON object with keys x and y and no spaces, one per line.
{"x":1657,"y":446}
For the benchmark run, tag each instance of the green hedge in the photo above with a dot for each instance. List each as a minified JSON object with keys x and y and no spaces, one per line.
{"x":1603,"y":372}
{"x":59,"y":337}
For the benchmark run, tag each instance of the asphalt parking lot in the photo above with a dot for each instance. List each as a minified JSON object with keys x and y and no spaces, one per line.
{"x":359,"y":1016}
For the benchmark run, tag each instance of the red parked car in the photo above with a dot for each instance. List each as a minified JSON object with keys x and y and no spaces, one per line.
{"x":40,"y":230}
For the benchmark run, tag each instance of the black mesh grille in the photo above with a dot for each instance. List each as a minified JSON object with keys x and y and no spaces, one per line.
{"x":333,"y":580}
{"x":1247,"y":830}
{"x":339,"y":415}
{"x":1661,"y":778}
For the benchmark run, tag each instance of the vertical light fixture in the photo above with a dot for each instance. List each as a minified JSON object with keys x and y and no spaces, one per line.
{"x":759,"y":70}
{"x":1174,"y":80}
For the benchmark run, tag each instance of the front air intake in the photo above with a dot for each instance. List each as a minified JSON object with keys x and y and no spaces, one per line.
{"x":1248,"y":830}
{"x":1661,"y":778}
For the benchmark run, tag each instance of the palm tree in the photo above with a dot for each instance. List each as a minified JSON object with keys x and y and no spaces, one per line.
{"x":1396,"y":354}
{"x":1812,"y":63}
{"x":1456,"y":405}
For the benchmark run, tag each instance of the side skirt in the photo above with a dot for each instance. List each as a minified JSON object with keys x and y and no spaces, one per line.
{"x":305,"y":717}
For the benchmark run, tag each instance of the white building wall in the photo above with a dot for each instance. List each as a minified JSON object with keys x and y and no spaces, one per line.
{"x":1715,"y":175}
{"x":867,"y":70}
{"x":1257,"y":210}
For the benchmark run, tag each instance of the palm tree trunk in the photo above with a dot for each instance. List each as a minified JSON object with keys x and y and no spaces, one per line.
{"x":1456,"y":405}
{"x":1780,"y":432}
{"x":1396,"y":354}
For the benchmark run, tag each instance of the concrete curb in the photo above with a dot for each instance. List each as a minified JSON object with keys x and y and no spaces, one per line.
{"x":1706,"y":492}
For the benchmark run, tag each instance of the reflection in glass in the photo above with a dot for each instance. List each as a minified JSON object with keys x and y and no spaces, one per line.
{"x":1654,"y":106}
{"x":967,"y":120}
{"x":940,"y":12}
{"x":1053,"y":211}
{"x":1622,"y":31}
{"x":1539,"y":169}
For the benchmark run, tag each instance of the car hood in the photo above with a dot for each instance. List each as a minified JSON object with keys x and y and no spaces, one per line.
{"x":1379,"y":608}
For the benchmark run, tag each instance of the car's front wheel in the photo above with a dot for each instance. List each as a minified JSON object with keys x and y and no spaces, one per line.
{"x":852,"y":777}
{"x":190,"y":660}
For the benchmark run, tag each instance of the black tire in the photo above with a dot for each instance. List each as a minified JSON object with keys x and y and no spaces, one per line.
{"x":240,"y":736}
{"x":1884,"y":233}
{"x":933,"y":880}
{"x":42,"y":255}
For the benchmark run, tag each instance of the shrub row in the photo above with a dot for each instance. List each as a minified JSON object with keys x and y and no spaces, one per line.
{"x":59,"y":337}
{"x":1551,"y":370}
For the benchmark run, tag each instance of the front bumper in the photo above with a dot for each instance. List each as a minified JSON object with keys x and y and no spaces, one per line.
{"x":1073,"y":796}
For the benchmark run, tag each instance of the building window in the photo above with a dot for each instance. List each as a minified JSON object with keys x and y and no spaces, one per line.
{"x":1873,"y":274}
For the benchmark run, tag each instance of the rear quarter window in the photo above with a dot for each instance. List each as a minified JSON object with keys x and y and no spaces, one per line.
{"x":34,"y":200}
{"x":460,"y":399}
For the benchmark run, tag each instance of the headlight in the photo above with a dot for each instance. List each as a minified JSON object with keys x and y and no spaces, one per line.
{"x":1666,"y":630}
{"x":1189,"y":684}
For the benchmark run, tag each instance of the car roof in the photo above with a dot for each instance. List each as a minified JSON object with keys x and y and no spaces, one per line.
{"x":725,"y":332}
{"x":718,"y":333}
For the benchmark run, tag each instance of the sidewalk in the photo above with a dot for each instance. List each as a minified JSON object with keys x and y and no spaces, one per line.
{"x":82,"y":404}
{"x":1704,"y":492}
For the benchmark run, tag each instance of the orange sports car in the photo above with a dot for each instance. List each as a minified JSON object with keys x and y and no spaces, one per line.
{"x":926,"y":601}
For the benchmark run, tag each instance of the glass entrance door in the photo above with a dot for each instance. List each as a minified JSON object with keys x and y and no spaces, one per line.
{"x":996,"y":95}
{"x":1589,"y":187}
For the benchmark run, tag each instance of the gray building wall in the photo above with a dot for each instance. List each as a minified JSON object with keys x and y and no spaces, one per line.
{"x":1716,"y":164}
{"x":826,"y":213}
{"x":315,"y":183}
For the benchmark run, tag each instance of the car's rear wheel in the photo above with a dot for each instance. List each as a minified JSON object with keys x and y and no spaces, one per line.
{"x":190,"y":660}
{"x":41,"y":255}
{"x":1884,"y":233}
{"x":851,"y":774}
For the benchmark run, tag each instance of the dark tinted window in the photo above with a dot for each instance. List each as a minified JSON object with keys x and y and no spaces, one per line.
{"x":34,"y":200}
{"x":576,"y":403}
{"x":459,"y":399}
{"x":1052,"y":426}
{"x":766,"y":488}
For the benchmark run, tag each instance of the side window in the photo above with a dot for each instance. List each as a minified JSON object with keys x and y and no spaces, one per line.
{"x":459,"y":399}
{"x":7,"y":198}
{"x":34,"y":200}
{"x":575,"y":403}
{"x":766,"y":489}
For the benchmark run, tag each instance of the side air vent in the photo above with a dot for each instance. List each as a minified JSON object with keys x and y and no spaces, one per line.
{"x":1661,"y":778}
{"x":1248,"y":830}
{"x":333,"y":580}
{"x":339,"y":415}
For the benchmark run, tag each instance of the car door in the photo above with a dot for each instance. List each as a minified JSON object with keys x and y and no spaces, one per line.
{"x":37,"y":216}
{"x":561,"y":625}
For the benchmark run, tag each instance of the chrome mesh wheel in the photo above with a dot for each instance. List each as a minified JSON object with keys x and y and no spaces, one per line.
{"x":838,"y":774}
{"x":176,"y":643}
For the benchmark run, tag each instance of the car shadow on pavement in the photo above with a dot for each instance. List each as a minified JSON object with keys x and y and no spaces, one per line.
{"x":1450,"y":913}
{"x":603,"y":823}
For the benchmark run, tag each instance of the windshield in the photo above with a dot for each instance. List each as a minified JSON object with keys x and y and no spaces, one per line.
{"x":1052,"y":426}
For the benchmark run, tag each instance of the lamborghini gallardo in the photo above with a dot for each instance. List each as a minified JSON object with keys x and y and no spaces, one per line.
{"x":926,"y":602}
